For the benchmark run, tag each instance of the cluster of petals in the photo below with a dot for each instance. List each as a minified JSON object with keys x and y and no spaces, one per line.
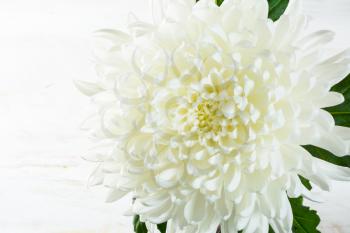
{"x":202,"y":114}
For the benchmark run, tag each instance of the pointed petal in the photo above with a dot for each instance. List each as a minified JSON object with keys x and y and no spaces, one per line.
{"x":87,"y":88}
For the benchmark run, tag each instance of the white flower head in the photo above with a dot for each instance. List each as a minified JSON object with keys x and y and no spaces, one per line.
{"x":202,"y":115}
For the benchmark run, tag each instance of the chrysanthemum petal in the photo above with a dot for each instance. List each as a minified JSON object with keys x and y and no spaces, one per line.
{"x":203,"y":114}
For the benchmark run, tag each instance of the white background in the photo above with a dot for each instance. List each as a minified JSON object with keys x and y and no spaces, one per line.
{"x":44,"y":45}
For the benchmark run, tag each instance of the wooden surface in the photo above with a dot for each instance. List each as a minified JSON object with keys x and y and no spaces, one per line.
{"x":44,"y":45}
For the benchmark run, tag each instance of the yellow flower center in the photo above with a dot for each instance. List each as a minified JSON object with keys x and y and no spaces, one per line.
{"x":206,"y":113}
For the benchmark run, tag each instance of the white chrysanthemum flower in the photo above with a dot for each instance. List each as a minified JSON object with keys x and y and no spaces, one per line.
{"x":203,"y":113}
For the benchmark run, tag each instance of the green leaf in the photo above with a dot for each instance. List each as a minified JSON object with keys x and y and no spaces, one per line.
{"x":305,"y":220}
{"x":305,"y":182}
{"x":343,"y":86}
{"x":162,"y":227}
{"x":139,"y":227}
{"x":219,"y":2}
{"x":341,"y":113}
{"x":277,"y":8}
{"x":328,"y":156}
